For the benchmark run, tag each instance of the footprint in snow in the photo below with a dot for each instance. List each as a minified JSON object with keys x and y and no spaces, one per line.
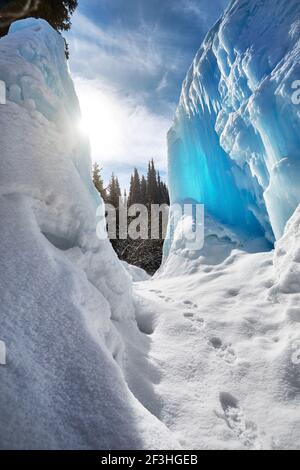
{"x":232,"y":293}
{"x":244,"y":430}
{"x":189,"y":315}
{"x":161,"y":296}
{"x":197,"y":321}
{"x":166,"y":299}
{"x":189,"y":304}
{"x":225,"y":351}
{"x":216,"y":342}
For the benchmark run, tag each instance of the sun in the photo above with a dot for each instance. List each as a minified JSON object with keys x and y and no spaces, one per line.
{"x":99,"y":120}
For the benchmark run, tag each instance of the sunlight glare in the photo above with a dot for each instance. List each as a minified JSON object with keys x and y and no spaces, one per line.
{"x":99,"y":120}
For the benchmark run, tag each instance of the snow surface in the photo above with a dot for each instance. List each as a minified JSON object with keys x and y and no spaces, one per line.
{"x":226,"y":344}
{"x":65,"y":299}
{"x":205,"y":355}
{"x":136,"y":274}
{"x":234,"y":145}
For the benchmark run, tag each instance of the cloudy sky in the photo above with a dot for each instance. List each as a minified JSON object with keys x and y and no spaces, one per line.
{"x":129,"y":59}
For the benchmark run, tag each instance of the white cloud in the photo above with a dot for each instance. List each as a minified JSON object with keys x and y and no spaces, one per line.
{"x":126,"y":50}
{"x":122,"y":131}
{"x":192,"y":8}
{"x":201,"y":11}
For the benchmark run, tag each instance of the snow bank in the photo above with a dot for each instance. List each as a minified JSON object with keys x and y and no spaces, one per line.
{"x":137,"y":274}
{"x":228,"y":342}
{"x":219,"y":241}
{"x":287,"y":257}
{"x":234,"y":145}
{"x":66,"y":300}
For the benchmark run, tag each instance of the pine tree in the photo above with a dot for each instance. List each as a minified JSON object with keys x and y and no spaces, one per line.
{"x":144,"y":253}
{"x":143,"y":190}
{"x":125,"y":198}
{"x":159,"y":190}
{"x":137,"y":187}
{"x":135,"y":196}
{"x":152,"y":184}
{"x":163,"y":192}
{"x":114,"y":191}
{"x":98,"y":181}
{"x":165,"y":199}
{"x":130,"y":198}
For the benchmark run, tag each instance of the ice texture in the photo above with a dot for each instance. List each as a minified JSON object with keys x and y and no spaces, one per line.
{"x":66,"y":306}
{"x":235,"y":141}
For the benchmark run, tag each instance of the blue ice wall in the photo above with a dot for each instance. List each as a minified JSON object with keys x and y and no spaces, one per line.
{"x":235,"y":141}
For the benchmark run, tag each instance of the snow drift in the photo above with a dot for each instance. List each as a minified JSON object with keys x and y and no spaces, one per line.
{"x":228,"y":344}
{"x":66,"y":306}
{"x":234,"y":145}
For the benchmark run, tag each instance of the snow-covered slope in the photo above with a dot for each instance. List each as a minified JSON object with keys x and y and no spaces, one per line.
{"x":234,"y":145}
{"x":66,"y":307}
{"x":227,"y":345}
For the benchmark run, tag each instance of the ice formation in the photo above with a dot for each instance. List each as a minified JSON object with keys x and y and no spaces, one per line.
{"x":66,"y":305}
{"x":234,"y":145}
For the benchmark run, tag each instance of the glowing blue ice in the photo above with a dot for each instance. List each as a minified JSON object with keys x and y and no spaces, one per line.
{"x":235,"y":142}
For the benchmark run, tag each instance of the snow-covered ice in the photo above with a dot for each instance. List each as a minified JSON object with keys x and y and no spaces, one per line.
{"x":65,"y":299}
{"x":136,"y":274}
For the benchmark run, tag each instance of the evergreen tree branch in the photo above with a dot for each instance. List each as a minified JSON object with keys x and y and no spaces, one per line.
{"x":7,"y":16}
